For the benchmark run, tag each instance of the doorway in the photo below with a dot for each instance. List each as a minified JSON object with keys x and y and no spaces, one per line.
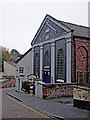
{"x":46,"y":76}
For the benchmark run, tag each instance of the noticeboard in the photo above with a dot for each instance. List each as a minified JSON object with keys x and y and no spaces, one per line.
{"x":31,"y":77}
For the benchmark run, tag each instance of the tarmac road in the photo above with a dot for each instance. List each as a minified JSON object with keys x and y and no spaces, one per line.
{"x":11,"y":109}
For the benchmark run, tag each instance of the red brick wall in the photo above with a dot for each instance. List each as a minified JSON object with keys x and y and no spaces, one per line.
{"x":73,"y":61}
{"x":10,"y":83}
{"x":82,"y":60}
{"x":57,"y":90}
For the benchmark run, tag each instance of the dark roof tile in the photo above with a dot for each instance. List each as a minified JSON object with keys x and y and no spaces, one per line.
{"x":79,"y":30}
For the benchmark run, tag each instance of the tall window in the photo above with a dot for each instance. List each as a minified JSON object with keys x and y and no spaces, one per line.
{"x":37,"y":65}
{"x":46,"y":58}
{"x":60,"y":65}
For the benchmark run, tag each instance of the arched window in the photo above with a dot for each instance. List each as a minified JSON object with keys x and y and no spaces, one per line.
{"x":60,"y":65}
{"x":37,"y":65}
{"x":46,"y":58}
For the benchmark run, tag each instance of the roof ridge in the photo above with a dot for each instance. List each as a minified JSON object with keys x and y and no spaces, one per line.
{"x":67,"y":22}
{"x":11,"y":63}
{"x":24,"y":55}
{"x":82,"y":30}
{"x":76,"y":24}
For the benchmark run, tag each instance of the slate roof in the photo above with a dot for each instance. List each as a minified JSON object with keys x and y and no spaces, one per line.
{"x":23,"y":55}
{"x":79,"y":30}
{"x":12,"y":63}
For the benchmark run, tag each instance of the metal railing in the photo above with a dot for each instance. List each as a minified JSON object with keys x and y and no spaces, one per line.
{"x":83,"y":78}
{"x":27,"y":86}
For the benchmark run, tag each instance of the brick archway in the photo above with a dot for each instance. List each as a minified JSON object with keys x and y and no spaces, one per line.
{"x":81,"y":59}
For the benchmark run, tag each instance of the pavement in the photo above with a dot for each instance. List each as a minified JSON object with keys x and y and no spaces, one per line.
{"x":60,"y":108}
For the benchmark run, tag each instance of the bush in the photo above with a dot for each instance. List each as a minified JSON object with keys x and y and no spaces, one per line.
{"x":9,"y":77}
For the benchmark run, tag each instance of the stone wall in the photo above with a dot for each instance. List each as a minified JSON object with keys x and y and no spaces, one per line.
{"x":57,"y":90}
{"x":81,"y":97}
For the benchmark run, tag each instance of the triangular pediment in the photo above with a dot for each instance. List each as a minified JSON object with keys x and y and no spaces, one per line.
{"x":50,"y":28}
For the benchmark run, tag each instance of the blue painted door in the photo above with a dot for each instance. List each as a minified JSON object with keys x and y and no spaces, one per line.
{"x":46,"y":77}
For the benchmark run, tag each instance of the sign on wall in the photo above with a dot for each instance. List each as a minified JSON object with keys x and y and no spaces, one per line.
{"x":32,"y":77}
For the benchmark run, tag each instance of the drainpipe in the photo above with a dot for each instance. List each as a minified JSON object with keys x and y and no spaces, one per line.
{"x":73,"y":40}
{"x":74,"y":57}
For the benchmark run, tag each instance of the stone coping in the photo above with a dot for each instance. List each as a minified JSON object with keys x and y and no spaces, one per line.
{"x":82,"y":87}
{"x":51,"y":84}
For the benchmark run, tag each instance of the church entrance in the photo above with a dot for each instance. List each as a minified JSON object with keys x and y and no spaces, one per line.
{"x":46,"y":76}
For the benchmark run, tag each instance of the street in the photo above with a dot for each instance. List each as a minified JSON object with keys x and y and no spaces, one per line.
{"x":11,"y":109}
{"x":21,"y":105}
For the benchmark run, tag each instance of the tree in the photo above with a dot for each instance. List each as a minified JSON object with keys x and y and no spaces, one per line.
{"x":15,"y":54}
{"x":8,"y":56}
{"x":5,"y":55}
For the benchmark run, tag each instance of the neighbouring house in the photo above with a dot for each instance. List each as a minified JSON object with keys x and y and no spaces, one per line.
{"x":1,"y":70}
{"x":60,"y":50}
{"x":7,"y":69}
{"x":23,"y":68}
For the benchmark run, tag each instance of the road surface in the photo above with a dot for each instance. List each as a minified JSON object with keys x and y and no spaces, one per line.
{"x":11,"y":108}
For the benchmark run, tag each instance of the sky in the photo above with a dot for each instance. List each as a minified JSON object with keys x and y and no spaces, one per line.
{"x":20,"y":19}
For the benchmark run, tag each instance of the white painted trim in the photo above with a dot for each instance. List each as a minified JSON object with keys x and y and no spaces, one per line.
{"x":52,"y":28}
{"x":60,"y":24}
{"x":41,"y":61}
{"x":32,"y":60}
{"x":52,"y":44}
{"x":42,"y":83}
{"x":37,"y":33}
{"x":68,"y":40}
{"x":16,"y":83}
{"x":68,"y":60}
{"x":41,"y":47}
{"x":56,"y":22}
{"x":66,"y":36}
{"x":53,"y":62}
{"x":59,"y":80}
{"x":20,"y":83}
{"x":36,"y":88}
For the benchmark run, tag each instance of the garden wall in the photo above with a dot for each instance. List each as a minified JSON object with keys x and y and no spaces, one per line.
{"x":57,"y":90}
{"x":9,"y":83}
{"x":81,"y":97}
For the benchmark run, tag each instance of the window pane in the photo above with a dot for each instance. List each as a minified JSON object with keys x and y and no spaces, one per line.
{"x":47,"y":58}
{"x":20,"y":69}
{"x":60,"y":65}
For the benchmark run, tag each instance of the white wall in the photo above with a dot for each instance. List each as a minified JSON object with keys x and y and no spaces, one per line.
{"x":9,"y":70}
{"x":1,"y":74}
{"x":26,"y":63}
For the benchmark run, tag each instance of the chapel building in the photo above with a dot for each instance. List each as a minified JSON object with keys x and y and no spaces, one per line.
{"x":60,"y":50}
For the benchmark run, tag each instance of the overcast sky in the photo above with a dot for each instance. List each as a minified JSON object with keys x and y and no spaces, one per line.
{"x":20,"y":20}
